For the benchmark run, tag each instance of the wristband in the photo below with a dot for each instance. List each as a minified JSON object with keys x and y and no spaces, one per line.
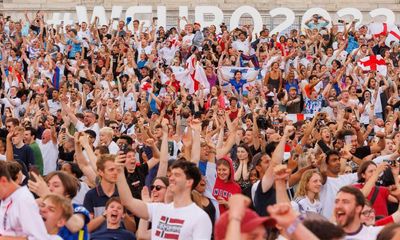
{"x":292,"y":228}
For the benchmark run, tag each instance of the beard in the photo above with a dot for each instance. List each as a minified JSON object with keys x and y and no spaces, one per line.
{"x":349,"y":219}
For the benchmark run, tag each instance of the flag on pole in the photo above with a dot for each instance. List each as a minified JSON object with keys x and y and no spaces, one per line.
{"x":378,"y":29}
{"x":393,"y":36}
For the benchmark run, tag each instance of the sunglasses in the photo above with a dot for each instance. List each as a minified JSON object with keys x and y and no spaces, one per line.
{"x":157,"y":187}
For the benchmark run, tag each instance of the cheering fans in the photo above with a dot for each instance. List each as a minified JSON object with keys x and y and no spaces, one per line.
{"x":160,"y":133}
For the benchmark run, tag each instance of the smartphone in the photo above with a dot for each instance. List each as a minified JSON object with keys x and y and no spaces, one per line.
{"x":124,"y":148}
{"x":392,"y":163}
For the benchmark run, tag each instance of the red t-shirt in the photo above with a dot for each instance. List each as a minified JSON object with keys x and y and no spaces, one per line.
{"x":380,"y":204}
{"x":225,"y":190}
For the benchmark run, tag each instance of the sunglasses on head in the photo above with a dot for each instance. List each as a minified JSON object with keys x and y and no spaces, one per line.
{"x":157,"y":187}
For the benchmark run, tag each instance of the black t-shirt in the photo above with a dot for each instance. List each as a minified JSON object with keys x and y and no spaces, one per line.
{"x":262,"y":200}
{"x":65,"y":156}
{"x":136,"y":180}
{"x":362,"y":152}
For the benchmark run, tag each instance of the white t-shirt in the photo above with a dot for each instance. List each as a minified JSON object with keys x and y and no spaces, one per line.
{"x":113,"y":148}
{"x":130,"y":103}
{"x":129,"y":130}
{"x":330,"y":189}
{"x":185,"y":223}
{"x":20,"y":214}
{"x":366,"y":232}
{"x":54,"y":106}
{"x":211,"y":177}
{"x":95,"y":127}
{"x":187,"y":40}
{"x":80,"y":195}
{"x":304,"y":205}
{"x":50,"y":156}
{"x":242,"y":46}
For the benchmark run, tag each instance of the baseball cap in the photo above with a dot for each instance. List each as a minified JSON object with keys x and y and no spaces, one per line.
{"x":250,"y":221}
{"x":91,"y":133}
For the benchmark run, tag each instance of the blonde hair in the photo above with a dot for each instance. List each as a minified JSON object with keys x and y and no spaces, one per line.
{"x":61,"y":202}
{"x":107,"y":130}
{"x":19,"y":129}
{"x":301,"y":190}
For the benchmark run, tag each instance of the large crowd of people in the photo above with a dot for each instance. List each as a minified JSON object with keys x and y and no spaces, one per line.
{"x":206,"y":132}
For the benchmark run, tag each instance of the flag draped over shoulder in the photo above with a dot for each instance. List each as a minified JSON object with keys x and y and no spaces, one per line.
{"x":373,"y":63}
{"x":247,"y":73}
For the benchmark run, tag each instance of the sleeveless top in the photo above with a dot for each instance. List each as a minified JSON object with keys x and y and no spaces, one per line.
{"x":274,"y":82}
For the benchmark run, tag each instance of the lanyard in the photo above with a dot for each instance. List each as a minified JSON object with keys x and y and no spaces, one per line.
{"x":5,"y":214}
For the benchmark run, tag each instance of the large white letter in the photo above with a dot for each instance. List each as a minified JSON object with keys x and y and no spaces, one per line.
{"x":183,"y":12}
{"x":257,"y":20}
{"x":81,"y":14}
{"x":162,"y":16}
{"x":290,"y":17}
{"x":116,"y":13}
{"x":56,"y":19}
{"x":390,"y":17}
{"x":100,"y":13}
{"x":132,"y":11}
{"x":216,"y":11}
{"x":353,"y":12}
{"x":310,"y":12}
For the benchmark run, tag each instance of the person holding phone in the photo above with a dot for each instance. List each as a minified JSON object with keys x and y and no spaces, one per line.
{"x":317,"y":22}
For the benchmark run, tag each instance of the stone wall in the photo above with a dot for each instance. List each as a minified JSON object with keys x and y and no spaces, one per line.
{"x":16,"y":8}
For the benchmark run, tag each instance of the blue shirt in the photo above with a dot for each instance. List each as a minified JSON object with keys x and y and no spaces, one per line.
{"x":82,"y":234}
{"x":75,"y":47}
{"x":112,"y":234}
{"x":238,"y":85}
{"x":312,"y":106}
{"x":95,"y":200}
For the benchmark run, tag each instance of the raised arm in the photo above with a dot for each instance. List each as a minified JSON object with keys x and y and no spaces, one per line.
{"x":163,"y":167}
{"x":277,"y":158}
{"x":367,"y":188}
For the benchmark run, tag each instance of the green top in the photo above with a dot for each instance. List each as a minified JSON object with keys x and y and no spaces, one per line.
{"x":38,"y":157}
